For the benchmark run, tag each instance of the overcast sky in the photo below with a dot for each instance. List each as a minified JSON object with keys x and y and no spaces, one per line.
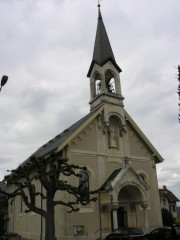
{"x":46,"y":48}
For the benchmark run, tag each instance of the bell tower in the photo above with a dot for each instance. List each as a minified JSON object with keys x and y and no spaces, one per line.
{"x":104,"y":72}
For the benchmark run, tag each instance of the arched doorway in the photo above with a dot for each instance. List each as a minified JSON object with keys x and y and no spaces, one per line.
{"x":130,"y":199}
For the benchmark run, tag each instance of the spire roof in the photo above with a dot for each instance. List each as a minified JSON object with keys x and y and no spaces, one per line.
{"x":102,"y":47}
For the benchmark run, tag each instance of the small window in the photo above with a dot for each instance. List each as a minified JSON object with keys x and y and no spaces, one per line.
{"x":143,"y":178}
{"x":20,"y":204}
{"x":172,"y":208}
{"x":164,"y":202}
{"x":84,"y":187}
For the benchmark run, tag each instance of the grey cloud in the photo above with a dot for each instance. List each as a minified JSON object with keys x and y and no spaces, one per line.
{"x":46,"y":49}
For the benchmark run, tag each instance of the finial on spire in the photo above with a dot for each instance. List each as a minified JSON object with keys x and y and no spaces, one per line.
{"x":99,"y":4}
{"x":99,"y":16}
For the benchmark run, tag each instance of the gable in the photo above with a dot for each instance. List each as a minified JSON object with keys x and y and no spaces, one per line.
{"x":122,"y":176}
{"x":130,"y":176}
{"x":137,"y":146}
{"x":83,"y":133}
{"x":168,"y":194}
{"x":142,"y":140}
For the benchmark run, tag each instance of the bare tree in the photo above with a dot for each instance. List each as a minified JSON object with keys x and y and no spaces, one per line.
{"x":52,"y":173}
{"x":178,"y":92}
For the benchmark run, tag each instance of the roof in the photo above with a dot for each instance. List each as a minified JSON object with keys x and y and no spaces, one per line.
{"x":168,"y":194}
{"x":111,"y":178}
{"x":102,"y":47}
{"x":59,"y":139}
{"x":62,"y":138}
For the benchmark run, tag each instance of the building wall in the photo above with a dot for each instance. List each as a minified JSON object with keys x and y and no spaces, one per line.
{"x":90,"y":149}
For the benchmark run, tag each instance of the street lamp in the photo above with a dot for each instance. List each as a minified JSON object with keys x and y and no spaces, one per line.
{"x":3,"y":81}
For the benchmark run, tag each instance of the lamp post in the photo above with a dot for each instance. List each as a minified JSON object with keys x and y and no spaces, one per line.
{"x":3,"y":81}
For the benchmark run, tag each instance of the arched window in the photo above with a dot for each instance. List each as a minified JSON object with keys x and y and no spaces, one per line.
{"x":143,"y":177}
{"x":20,"y":204}
{"x":110,"y":82}
{"x":84,"y":186}
{"x":97,"y":84}
{"x":98,"y":87}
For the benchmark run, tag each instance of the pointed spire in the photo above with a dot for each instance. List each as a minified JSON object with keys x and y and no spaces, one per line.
{"x":102,"y":47}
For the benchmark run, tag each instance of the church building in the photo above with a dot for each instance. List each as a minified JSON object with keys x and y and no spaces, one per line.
{"x":118,"y":156}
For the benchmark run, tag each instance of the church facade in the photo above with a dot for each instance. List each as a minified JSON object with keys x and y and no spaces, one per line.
{"x":118,"y":157}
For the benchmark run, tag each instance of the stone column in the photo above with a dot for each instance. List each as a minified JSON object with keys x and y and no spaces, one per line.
{"x":103,"y":83}
{"x":92,"y":89}
{"x":115,"y":220}
{"x":144,"y":206}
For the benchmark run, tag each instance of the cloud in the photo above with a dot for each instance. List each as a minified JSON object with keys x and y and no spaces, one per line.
{"x":46,"y":49}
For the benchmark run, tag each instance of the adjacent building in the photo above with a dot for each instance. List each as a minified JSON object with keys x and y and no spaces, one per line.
{"x":168,"y":201}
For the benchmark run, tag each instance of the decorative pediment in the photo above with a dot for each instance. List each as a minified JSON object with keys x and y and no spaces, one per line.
{"x":125,"y":175}
{"x":128,"y":175}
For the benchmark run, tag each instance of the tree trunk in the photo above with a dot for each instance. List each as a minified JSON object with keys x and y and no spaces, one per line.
{"x":50,"y":227}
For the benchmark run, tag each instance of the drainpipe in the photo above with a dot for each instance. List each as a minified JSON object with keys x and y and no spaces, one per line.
{"x":13,"y":212}
{"x":100,"y":222}
{"x":41,"y":230}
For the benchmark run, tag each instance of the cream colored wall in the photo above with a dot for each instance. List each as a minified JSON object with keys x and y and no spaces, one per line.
{"x":143,"y":162}
{"x":26,"y":224}
{"x":90,"y":149}
{"x":101,"y":161}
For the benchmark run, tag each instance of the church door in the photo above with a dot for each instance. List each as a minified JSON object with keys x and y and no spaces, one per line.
{"x":121,"y":217}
